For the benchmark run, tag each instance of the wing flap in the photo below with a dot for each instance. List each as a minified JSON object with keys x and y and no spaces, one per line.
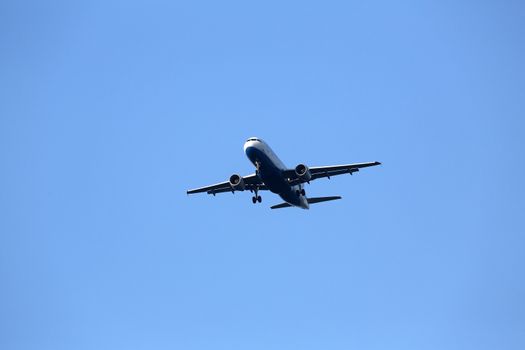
{"x":251,"y":182}
{"x":211,"y":188}
{"x":229,"y":189}
{"x":327,"y":171}
{"x":348,"y":167}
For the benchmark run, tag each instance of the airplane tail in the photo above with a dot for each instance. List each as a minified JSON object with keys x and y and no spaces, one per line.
{"x":310,"y":201}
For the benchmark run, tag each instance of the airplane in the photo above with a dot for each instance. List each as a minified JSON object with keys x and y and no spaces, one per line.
{"x":271,"y":174}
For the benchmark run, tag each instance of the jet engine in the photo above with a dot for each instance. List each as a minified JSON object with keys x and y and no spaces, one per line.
{"x":303,"y":172}
{"x":237,"y":182}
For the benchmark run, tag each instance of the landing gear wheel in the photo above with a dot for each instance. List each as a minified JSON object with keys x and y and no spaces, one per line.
{"x":256,"y":198}
{"x":303,"y":192}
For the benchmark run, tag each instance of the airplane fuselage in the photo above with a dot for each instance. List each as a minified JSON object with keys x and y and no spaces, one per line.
{"x":270,"y":169}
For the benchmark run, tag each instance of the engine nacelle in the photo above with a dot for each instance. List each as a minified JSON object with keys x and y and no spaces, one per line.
{"x":237,"y":182}
{"x":303,"y":172}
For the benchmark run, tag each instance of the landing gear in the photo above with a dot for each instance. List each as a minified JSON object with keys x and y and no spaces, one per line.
{"x":256,"y":198}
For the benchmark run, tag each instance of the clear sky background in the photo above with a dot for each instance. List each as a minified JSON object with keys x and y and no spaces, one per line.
{"x":110,"y":110}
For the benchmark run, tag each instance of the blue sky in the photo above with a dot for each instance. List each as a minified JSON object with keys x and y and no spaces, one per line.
{"x":110,"y":110}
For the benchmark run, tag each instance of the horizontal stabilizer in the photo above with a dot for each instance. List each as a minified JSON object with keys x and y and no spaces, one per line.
{"x":322,"y":199}
{"x":282,"y":205}
{"x":310,"y":201}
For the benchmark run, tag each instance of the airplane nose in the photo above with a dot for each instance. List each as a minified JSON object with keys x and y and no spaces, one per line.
{"x":248,"y":144}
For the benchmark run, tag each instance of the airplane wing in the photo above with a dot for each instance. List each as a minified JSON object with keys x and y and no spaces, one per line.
{"x":327,"y":171}
{"x":250,"y":183}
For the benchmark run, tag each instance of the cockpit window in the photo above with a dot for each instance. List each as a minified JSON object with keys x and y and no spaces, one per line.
{"x":253,"y":139}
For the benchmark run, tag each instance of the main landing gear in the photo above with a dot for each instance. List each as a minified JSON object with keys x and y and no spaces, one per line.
{"x":300,"y":192}
{"x":256,"y":198}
